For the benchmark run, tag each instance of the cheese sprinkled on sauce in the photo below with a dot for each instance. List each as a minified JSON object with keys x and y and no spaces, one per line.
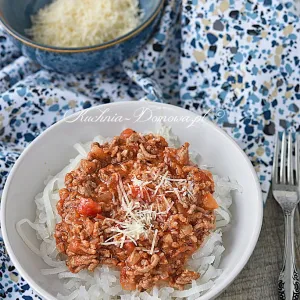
{"x":139,"y":216}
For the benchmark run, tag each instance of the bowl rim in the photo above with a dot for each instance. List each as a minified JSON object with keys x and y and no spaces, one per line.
{"x":123,"y":38}
{"x":210,"y":294}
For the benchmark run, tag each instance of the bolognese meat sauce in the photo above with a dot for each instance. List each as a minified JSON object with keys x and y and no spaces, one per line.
{"x":137,"y":205}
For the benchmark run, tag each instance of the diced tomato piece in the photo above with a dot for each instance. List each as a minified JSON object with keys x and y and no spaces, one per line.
{"x":129,"y":247}
{"x":88,"y":207}
{"x":209,"y":202}
{"x":126,"y":283}
{"x":125,"y":134}
{"x":100,"y":217}
{"x":149,"y":192}
{"x":141,"y":193}
{"x":147,"y":195}
{"x":134,"y":147}
{"x":135,"y":191}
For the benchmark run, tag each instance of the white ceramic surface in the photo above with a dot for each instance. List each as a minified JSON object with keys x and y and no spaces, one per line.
{"x":53,"y":149}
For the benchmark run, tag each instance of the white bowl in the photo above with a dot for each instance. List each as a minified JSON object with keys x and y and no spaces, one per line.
{"x":53,"y":149}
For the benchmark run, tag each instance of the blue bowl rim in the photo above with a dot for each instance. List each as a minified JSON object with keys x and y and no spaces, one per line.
{"x":102,"y":46}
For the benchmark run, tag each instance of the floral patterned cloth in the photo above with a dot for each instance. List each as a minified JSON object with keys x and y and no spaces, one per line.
{"x":236,"y":61}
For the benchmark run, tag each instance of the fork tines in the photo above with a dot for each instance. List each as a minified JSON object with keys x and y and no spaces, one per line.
{"x":285,"y":165}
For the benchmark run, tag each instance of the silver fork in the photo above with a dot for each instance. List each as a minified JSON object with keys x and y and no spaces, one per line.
{"x":285,"y":189}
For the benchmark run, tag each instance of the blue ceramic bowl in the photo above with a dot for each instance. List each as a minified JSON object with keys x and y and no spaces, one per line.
{"x":15,"y":16}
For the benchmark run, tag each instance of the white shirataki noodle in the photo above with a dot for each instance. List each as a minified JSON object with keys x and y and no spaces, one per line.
{"x":104,"y":282}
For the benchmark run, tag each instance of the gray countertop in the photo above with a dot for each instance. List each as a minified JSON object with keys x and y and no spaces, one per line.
{"x":258,"y":280}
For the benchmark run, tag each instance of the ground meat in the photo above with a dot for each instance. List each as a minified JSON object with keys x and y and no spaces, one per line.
{"x":170,"y":199}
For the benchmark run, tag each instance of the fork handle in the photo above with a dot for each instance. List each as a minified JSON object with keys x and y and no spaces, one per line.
{"x":289,"y":283}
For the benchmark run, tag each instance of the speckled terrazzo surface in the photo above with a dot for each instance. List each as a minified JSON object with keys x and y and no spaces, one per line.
{"x":240,"y":59}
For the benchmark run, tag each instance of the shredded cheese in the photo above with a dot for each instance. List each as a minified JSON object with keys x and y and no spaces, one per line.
{"x":177,"y":194}
{"x":139,"y":183}
{"x":139,"y":216}
{"x":162,"y":181}
{"x":153,"y":241}
{"x":82,"y":23}
{"x":137,"y":222}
